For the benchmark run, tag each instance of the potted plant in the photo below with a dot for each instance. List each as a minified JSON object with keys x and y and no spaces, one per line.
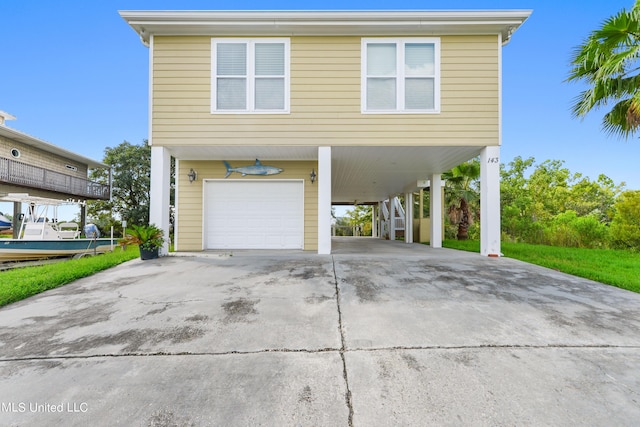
{"x":149,"y":239}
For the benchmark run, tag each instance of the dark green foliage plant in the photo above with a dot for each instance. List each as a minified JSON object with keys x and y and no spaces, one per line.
{"x":147,"y":237}
{"x":625,"y":226}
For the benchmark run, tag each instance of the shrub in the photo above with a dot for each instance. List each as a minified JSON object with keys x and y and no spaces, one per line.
{"x":625,"y":226}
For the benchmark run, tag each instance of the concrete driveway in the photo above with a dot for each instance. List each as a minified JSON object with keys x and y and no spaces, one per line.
{"x":379,"y":333}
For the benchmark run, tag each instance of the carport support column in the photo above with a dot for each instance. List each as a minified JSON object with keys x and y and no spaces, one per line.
{"x":324,"y":200}
{"x":380,"y":220}
{"x":490,"y":201}
{"x":374,"y":222}
{"x":435,"y":211}
{"x":159,"y":192}
{"x":392,"y":219}
{"x":408,"y":217}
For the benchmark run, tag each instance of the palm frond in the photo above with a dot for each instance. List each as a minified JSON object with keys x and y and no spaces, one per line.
{"x":607,"y":61}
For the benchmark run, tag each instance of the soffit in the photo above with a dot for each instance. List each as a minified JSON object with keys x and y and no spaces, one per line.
{"x":358,"y":174}
{"x":370,"y":174}
{"x":241,"y":152}
{"x":328,"y":23}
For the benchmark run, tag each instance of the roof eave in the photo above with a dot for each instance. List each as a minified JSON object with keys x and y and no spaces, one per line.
{"x":48,"y":147}
{"x":314,"y":23}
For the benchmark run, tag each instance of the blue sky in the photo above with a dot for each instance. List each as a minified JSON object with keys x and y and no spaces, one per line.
{"x":76,"y":75}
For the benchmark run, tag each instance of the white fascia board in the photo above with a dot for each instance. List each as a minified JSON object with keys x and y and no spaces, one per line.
{"x":337,"y":23}
{"x":48,"y":147}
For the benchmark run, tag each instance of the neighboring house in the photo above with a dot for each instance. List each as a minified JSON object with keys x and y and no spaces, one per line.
{"x":41,"y":169}
{"x":369,"y":104}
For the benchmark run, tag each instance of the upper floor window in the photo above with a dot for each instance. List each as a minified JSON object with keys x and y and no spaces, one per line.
{"x":401,"y":75}
{"x":250,"y":75}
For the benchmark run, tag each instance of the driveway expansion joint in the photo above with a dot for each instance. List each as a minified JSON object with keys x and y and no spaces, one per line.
{"x":348,"y":396}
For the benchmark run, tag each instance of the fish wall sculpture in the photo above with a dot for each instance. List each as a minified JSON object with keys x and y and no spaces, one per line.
{"x":256,"y":169}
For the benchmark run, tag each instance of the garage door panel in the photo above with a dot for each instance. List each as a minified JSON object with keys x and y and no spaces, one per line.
{"x":243,"y":214}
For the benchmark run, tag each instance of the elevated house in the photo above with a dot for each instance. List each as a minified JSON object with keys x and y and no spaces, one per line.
{"x":343,"y":106}
{"x":41,"y":169}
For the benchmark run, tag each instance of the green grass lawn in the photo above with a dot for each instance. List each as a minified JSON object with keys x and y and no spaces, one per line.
{"x":613,"y":267}
{"x":21,"y":283}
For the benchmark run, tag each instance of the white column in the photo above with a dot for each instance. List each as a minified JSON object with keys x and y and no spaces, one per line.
{"x":490,"y":201}
{"x":374,"y":222}
{"x":159,"y":192}
{"x":435,"y":211}
{"x":408,"y":217}
{"x":392,"y":219}
{"x":324,"y":200}
{"x":380,"y":220}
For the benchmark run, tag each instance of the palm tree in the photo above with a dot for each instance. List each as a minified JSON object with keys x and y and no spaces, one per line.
{"x":461,"y":188}
{"x":607,"y":61}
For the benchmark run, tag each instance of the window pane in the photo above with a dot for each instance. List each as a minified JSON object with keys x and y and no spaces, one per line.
{"x":269,"y":59}
{"x":232,"y":94}
{"x":381,"y":59}
{"x":419,"y":94}
{"x":269,"y":94}
{"x":232,"y":59}
{"x":419,"y":59}
{"x":381,"y":94}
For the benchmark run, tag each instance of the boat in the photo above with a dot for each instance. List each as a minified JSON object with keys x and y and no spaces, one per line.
{"x":5,"y":223}
{"x":41,"y":236}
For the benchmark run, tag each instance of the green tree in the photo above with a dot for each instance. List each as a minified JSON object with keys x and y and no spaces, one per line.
{"x":515,"y":199}
{"x":607,"y":61}
{"x":461,"y":195}
{"x":360,"y":218}
{"x":625,"y":226}
{"x":594,"y":198}
{"x":131,"y":167}
{"x":550,"y":187}
{"x":551,"y":205}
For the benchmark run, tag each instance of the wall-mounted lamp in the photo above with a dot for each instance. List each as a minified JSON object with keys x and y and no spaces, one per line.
{"x":192,"y":175}
{"x":313,"y":175}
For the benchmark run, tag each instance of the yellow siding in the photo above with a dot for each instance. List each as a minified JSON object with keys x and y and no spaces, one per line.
{"x":325,"y":98}
{"x":190,"y":206}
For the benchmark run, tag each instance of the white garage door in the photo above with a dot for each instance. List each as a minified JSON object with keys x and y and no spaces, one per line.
{"x":248,"y":214}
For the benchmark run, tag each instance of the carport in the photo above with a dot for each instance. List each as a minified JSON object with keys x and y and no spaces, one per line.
{"x":359,"y":175}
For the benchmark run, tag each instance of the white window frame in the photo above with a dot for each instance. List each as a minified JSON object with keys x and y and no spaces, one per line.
{"x":400,"y":74}
{"x":251,"y":77}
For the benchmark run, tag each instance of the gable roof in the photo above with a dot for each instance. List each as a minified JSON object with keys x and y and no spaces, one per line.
{"x":40,"y":144}
{"x":318,"y":23}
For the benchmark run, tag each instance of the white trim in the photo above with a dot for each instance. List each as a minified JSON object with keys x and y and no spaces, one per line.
{"x":150,"y":118}
{"x":176,"y":195}
{"x":500,"y":89}
{"x":204,"y":193}
{"x":400,"y":74}
{"x":317,"y":23}
{"x":250,"y":76}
